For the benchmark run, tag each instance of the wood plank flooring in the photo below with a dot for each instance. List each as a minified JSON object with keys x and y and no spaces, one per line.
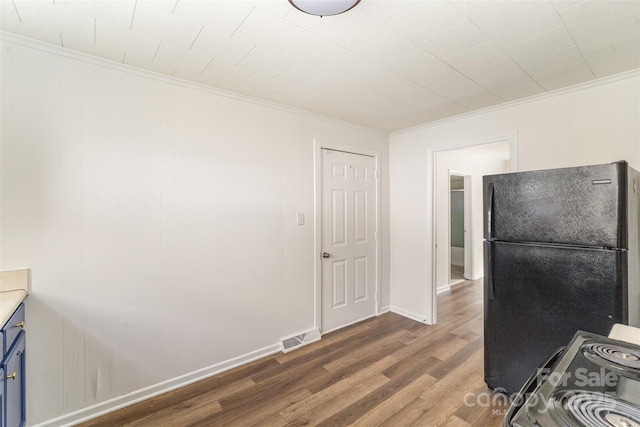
{"x":386,"y":371}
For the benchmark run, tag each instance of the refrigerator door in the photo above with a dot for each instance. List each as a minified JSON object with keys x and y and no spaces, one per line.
{"x":538,"y":297}
{"x":582,"y":206}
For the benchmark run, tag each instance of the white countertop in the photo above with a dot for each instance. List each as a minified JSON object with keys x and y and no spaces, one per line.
{"x":9,"y":301}
{"x":625,"y":333}
{"x":14,"y":287}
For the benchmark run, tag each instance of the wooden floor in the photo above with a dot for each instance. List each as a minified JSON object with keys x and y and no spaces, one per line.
{"x":457,"y":272}
{"x":387,"y":371}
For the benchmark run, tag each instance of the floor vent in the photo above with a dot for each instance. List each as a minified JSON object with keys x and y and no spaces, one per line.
{"x":302,"y":339}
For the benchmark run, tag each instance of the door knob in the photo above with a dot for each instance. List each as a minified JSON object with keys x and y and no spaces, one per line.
{"x":325,"y":255}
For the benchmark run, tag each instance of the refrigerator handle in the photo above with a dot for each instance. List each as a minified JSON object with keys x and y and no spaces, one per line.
{"x":488,"y":270}
{"x":488,"y":232}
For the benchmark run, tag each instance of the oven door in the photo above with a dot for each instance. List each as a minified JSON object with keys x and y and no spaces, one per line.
{"x":529,"y":387}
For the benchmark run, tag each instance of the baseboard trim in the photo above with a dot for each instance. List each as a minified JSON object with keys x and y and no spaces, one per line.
{"x":128,"y":399}
{"x":457,"y":256}
{"x":443,"y":288}
{"x":384,"y":310}
{"x":408,"y":314}
{"x":349,"y":324}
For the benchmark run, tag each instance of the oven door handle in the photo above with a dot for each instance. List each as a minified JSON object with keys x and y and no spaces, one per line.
{"x":530,"y":386}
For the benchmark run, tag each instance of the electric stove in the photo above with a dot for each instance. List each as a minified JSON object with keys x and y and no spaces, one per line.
{"x":593,"y":382}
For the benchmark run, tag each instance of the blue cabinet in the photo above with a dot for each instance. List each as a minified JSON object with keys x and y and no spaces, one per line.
{"x":12,"y":371}
{"x":14,"y":383}
{"x":2,"y":380}
{"x":12,"y":328}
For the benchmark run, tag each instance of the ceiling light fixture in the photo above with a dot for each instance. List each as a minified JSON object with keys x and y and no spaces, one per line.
{"x":324,"y":7}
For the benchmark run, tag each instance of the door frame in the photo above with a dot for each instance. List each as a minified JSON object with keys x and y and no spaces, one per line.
{"x":318,"y":145}
{"x":432,"y":182}
{"x":468,"y":226}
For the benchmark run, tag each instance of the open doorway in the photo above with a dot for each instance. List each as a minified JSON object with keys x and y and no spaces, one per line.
{"x":456,"y":228}
{"x":476,"y":161}
{"x":460,"y":244}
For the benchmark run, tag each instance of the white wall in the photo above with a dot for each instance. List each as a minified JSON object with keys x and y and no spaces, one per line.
{"x":587,"y":124}
{"x":159,"y":223}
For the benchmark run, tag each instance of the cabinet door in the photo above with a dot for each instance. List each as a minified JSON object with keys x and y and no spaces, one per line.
{"x":14,"y":369}
{"x":13,"y":327}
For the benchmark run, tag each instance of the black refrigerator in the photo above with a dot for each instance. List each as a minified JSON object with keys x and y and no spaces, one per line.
{"x":561,"y":255}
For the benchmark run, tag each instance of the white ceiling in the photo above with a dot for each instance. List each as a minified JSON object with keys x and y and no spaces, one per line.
{"x":386,"y":64}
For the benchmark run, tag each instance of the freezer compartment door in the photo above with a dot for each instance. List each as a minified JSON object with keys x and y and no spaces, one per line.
{"x":582,"y":206}
{"x":538,"y":297}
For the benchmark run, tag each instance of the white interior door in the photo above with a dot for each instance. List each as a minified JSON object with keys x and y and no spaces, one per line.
{"x":348,"y":238}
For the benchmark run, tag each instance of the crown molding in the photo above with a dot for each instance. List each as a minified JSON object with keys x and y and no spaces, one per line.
{"x":83,"y":57}
{"x":101,"y":62}
{"x":534,"y":98}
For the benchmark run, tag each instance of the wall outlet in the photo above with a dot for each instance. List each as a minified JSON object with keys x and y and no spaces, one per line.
{"x":300,"y":218}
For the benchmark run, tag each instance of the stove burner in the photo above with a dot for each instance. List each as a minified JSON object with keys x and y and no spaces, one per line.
{"x":619,"y":356}
{"x":596,"y":410}
{"x":617,"y":420}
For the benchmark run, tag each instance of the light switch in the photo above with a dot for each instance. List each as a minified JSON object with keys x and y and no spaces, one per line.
{"x":300,"y":218}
